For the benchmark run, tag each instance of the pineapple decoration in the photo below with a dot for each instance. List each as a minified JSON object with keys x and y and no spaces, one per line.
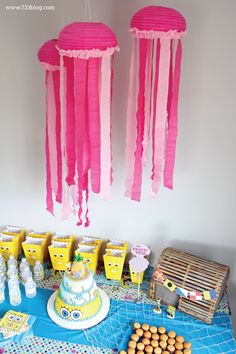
{"x":78,"y":267}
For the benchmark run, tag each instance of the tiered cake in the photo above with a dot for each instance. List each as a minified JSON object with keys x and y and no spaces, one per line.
{"x":78,"y":303}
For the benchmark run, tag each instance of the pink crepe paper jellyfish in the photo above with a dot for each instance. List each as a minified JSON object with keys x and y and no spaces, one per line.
{"x":152,"y":112}
{"x":50,"y":61}
{"x":86,"y":57}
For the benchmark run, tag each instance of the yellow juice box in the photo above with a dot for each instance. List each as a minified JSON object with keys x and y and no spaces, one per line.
{"x":60,"y":254}
{"x":117,"y":245}
{"x":8,"y":246}
{"x":114,"y":263}
{"x":17,"y":231}
{"x":90,"y":255}
{"x":34,"y":249}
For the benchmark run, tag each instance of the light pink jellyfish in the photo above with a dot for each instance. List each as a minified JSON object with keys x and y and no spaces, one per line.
{"x":50,"y":61}
{"x":86,"y":56}
{"x":152,"y":113}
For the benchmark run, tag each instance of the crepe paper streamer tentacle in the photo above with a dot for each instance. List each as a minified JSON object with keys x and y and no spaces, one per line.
{"x":86,"y":151}
{"x":49,"y":200}
{"x":155,"y":105}
{"x":131,"y":121}
{"x":148,"y":99}
{"x":70,"y":121}
{"x":173,"y":122}
{"x":65,"y":209}
{"x":105,"y":127}
{"x":86,"y":138}
{"x":56,"y":80}
{"x":136,"y":188}
{"x":94,"y":122}
{"x":87,"y":221}
{"x":51,"y":112}
{"x":170,"y":81}
{"x":112,"y":77}
{"x":80,"y":82}
{"x":161,"y":114}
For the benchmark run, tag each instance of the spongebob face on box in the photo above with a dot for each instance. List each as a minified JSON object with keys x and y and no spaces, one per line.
{"x":32,"y":254}
{"x":7,"y":249}
{"x":113,"y":267}
{"x":136,"y":277}
{"x":59,"y":257}
{"x":13,"y":320}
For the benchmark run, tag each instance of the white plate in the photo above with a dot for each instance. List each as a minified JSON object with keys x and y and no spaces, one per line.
{"x":70,"y":324}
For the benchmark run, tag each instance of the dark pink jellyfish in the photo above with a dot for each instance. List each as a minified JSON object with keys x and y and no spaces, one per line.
{"x":86,"y":57}
{"x":152,"y":113}
{"x":50,"y":61}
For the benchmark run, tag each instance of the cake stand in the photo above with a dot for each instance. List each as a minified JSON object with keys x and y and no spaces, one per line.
{"x":72,"y":324}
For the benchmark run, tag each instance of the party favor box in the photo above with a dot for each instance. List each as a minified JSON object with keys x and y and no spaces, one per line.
{"x":8,"y":246}
{"x":114,"y":263}
{"x":118,"y":245}
{"x":60,"y":237}
{"x":60,"y":254}
{"x":19,"y":232}
{"x":34,"y":249}
{"x":45,"y":235}
{"x":92,"y":241}
{"x":136,"y":278}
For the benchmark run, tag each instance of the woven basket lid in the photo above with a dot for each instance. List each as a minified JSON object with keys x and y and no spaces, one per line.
{"x":158,"y":18}
{"x":48,"y":53}
{"x":86,"y":36}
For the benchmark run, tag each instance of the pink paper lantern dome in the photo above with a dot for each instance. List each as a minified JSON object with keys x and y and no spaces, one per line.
{"x":86,"y":35}
{"x":158,"y":18}
{"x":49,"y":54}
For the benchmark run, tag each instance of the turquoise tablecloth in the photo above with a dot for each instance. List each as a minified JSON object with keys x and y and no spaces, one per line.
{"x":114,"y":331}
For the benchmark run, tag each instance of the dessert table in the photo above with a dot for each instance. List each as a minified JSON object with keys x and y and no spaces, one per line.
{"x":112,"y":334}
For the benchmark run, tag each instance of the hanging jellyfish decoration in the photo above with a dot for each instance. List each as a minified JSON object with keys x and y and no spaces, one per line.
{"x":86,"y":51}
{"x":49,"y":59}
{"x":152,"y":112}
